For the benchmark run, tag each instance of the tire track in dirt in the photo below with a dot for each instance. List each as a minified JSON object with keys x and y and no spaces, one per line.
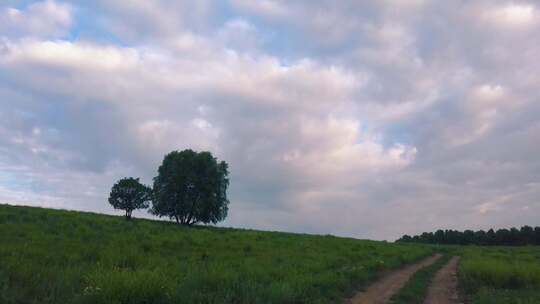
{"x":384,"y":288}
{"x":443,"y":288}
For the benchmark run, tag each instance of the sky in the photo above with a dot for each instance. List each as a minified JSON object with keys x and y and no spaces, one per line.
{"x":368,"y":119}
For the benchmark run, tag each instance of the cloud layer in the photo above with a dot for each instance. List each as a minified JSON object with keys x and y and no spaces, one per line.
{"x":359,"y":119}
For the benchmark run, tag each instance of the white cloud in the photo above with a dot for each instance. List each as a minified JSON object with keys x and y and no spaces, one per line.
{"x":488,"y":94}
{"x":269,"y":8}
{"x":67,"y":54}
{"x":43,"y":19}
{"x":155,"y":21}
{"x":159,"y":137}
{"x":239,"y":34}
{"x":513,"y":15}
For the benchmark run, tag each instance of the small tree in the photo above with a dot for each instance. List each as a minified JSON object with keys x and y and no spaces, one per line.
{"x":191,"y":187}
{"x":129,"y":194}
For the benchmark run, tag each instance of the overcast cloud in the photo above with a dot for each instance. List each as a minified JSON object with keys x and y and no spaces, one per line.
{"x":368,"y":119}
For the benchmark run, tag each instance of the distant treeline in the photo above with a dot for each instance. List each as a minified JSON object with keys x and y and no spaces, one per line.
{"x":527,"y":235}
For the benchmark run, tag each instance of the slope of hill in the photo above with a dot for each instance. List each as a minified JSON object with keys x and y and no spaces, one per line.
{"x":54,"y":256}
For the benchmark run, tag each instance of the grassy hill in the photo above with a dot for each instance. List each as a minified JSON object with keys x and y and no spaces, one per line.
{"x":53,"y":256}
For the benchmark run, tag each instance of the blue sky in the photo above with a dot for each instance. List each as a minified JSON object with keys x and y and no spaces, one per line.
{"x":356,"y":118}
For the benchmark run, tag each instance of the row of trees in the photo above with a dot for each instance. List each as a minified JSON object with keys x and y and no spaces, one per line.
{"x":527,"y":235}
{"x":191,"y":187}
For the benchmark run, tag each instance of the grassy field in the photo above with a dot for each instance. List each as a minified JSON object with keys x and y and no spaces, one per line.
{"x":500,"y":274}
{"x":51,"y":256}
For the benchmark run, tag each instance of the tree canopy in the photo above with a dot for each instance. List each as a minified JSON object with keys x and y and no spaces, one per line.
{"x":129,"y":194}
{"x":191,"y":187}
{"x":527,"y":235}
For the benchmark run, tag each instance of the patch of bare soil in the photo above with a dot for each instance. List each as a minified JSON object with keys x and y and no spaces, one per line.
{"x":443,"y":288}
{"x":384,"y":288}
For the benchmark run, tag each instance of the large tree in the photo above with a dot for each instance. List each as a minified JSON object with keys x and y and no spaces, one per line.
{"x":191,"y":187}
{"x":129,"y":194}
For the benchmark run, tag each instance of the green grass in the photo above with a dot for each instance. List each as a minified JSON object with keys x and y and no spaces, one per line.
{"x":500,"y":274}
{"x":52,"y":256}
{"x":415,"y":291}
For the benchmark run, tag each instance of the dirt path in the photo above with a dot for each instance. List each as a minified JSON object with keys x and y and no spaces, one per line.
{"x":384,"y":288}
{"x":443,"y":289}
